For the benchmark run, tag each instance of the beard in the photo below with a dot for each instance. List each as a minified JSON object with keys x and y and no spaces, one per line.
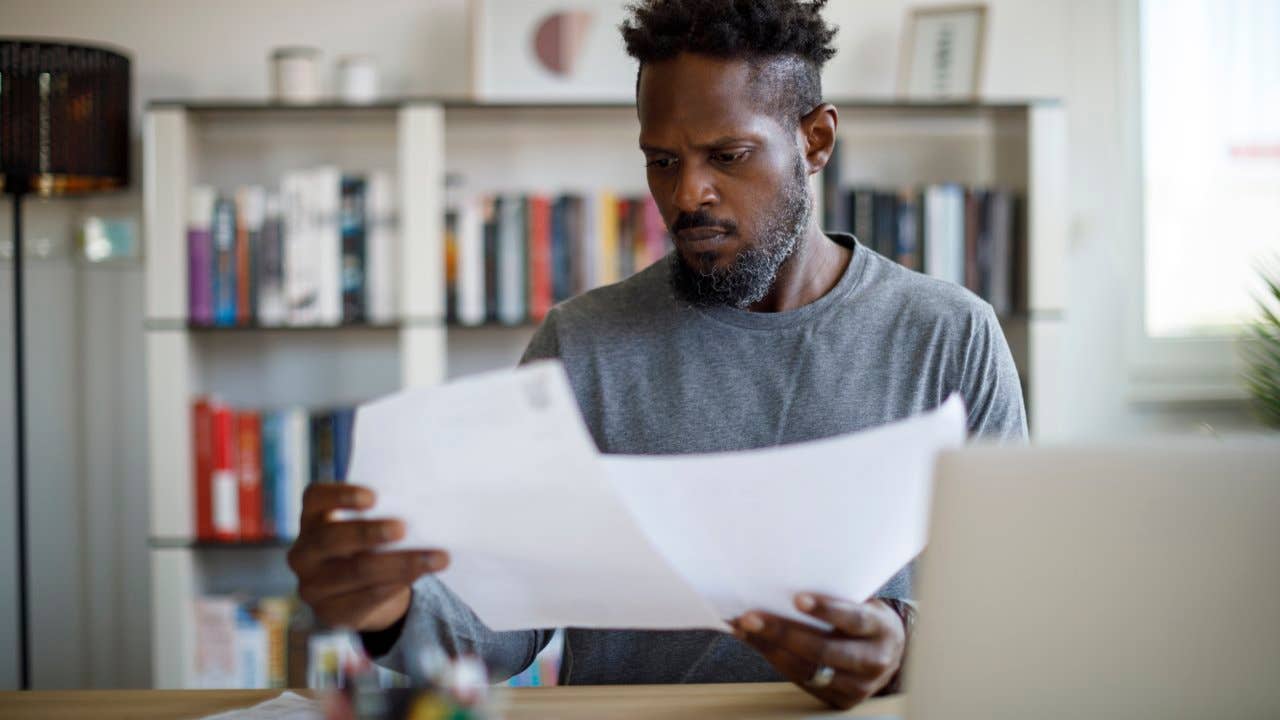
{"x":748,"y":278}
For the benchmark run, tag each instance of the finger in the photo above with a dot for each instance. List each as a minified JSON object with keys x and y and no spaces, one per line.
{"x":859,"y":620}
{"x":321,"y":499}
{"x":845,"y":690}
{"x":365,"y":570}
{"x":339,"y":539}
{"x":856,"y":656}
{"x":353,"y":609}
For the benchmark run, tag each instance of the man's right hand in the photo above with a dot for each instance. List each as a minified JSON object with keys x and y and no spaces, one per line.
{"x":340,"y":576}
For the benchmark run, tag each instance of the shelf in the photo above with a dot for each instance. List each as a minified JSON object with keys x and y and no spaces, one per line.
{"x":170,"y":543}
{"x":181,"y":325}
{"x":242,"y":105}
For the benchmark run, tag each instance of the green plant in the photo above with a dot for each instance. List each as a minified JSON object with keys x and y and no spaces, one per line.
{"x":1262,"y":352}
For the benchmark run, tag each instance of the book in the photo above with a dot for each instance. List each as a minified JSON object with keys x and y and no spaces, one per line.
{"x":224,"y":486}
{"x":561,"y":272}
{"x":301,"y":258}
{"x":354,"y":235}
{"x":343,"y":426}
{"x":202,"y":447}
{"x":273,"y":471}
{"x":200,"y":255}
{"x":273,"y":614}
{"x":489,"y":248}
{"x":251,"y":649}
{"x":1000,"y":229}
{"x":471,"y":269}
{"x":272,"y":305}
{"x":451,"y":264}
{"x":216,"y":657}
{"x":607,"y":236}
{"x":249,"y":474}
{"x":540,"y":270}
{"x":885,"y":223}
{"x":512,"y":295}
{"x":323,"y":461}
{"x":381,"y":248}
{"x":325,"y":197}
{"x":250,"y":203}
{"x":296,"y":457}
{"x":907,"y":250}
{"x":223,"y":230}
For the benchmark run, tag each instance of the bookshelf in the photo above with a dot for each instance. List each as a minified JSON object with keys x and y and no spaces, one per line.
{"x":497,"y":148}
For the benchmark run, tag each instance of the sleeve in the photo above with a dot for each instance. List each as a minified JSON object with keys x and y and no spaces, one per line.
{"x":990,"y":384}
{"x":439,"y":619}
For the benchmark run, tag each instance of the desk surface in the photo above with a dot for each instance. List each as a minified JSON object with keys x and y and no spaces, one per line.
{"x":757,"y":701}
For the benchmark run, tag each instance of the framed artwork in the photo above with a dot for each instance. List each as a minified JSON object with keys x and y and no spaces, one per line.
{"x":549,"y":51}
{"x":942,"y":51}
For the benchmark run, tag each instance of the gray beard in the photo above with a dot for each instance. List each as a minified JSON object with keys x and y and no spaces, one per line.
{"x":750,"y":277}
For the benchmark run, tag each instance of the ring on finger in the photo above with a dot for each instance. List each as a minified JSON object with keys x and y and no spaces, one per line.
{"x":821,"y":678}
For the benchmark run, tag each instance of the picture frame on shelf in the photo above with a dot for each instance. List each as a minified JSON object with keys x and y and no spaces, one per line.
{"x":942,"y":53}
{"x":549,"y":51}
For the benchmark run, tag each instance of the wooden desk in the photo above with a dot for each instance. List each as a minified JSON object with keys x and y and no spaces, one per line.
{"x":755,"y":701}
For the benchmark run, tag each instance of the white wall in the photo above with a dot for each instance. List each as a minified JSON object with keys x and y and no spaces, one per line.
{"x":87,"y":414}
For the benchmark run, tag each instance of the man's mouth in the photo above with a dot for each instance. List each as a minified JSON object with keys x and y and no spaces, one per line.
{"x":702,"y":236}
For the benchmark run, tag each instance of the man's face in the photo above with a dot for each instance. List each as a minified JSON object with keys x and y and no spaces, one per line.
{"x":729,"y":178}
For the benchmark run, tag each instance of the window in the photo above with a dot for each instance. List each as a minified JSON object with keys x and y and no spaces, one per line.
{"x":1210,"y":78}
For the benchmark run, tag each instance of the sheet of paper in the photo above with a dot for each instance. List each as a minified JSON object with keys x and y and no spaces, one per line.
{"x":751,"y":529}
{"x":285,"y":706}
{"x":500,"y":470}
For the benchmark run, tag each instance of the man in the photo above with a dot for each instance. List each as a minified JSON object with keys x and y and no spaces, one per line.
{"x":757,"y":330}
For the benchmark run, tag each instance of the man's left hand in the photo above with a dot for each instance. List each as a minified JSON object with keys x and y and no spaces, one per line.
{"x":843,"y":666}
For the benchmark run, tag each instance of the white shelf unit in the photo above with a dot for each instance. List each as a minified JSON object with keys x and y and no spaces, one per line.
{"x":496,"y":148}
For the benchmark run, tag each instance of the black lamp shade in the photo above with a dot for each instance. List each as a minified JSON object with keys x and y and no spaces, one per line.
{"x":64,"y":118}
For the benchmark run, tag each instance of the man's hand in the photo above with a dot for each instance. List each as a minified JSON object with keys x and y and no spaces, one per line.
{"x":346,"y":583}
{"x":863,"y":649}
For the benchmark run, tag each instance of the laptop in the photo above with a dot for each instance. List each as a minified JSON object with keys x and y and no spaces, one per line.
{"x":1137,"y":582}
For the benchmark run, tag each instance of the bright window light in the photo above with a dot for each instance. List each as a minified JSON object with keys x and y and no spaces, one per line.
{"x":1211,"y":160}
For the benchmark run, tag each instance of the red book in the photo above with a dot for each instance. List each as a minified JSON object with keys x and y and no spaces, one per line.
{"x":539,"y":257}
{"x":202,"y":450}
{"x":249,"y":473}
{"x":224,"y":491}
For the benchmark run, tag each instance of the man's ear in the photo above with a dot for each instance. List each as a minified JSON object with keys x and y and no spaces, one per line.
{"x":818,"y":136}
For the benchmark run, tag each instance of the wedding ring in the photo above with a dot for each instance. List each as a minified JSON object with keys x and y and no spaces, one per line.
{"x":822,"y":677}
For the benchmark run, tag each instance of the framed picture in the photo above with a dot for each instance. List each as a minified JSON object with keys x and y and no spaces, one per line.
{"x":550,"y":51}
{"x":942,"y":52}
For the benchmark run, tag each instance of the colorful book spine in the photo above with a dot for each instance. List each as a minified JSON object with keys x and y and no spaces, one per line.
{"x":343,"y":428}
{"x":511,"y":271}
{"x":561,"y":238}
{"x":540,"y":290}
{"x":907,"y":250}
{"x":489,"y":232}
{"x":225,"y":489}
{"x":200,"y":255}
{"x":354,"y":255}
{"x":223,"y":230}
{"x":607,"y":237}
{"x":296,"y":441}
{"x":326,"y":197}
{"x":202,"y":445}
{"x":301,"y":258}
{"x":323,"y":461}
{"x":249,"y":212}
{"x":272,"y":476}
{"x":249,"y":474}
{"x":471,"y":275}
{"x":273,"y":614}
{"x":272,"y":306}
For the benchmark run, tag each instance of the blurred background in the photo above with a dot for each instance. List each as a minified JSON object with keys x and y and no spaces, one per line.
{"x":1118,"y":161}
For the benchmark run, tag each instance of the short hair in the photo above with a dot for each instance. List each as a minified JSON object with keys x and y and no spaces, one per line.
{"x":786,"y":42}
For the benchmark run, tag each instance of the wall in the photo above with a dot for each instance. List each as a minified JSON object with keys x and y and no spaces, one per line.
{"x":86,"y":380}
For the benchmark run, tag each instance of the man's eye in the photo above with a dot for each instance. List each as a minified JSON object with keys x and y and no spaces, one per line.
{"x":661,"y":163}
{"x":726,"y":158}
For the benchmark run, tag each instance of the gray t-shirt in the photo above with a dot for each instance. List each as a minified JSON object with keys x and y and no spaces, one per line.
{"x":654,"y":375}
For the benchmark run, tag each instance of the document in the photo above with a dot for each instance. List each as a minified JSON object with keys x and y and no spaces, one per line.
{"x":544,"y":531}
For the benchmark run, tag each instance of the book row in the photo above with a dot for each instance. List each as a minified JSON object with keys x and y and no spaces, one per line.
{"x":251,"y":467}
{"x":969,"y":236}
{"x":509,"y":258}
{"x":268,"y":642}
{"x":319,"y":250}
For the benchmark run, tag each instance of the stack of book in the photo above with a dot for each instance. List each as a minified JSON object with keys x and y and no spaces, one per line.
{"x":969,"y":236}
{"x":318,"y":251}
{"x":509,"y":258}
{"x":251,"y":467}
{"x":243,"y":643}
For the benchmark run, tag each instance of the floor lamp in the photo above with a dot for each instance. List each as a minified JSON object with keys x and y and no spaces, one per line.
{"x":64,"y":131}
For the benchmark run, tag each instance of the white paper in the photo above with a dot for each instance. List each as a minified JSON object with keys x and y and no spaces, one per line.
{"x":285,"y":706}
{"x":499,"y":470}
{"x":751,"y":529}
{"x":543,"y":531}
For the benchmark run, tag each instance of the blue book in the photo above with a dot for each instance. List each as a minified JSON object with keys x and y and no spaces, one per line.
{"x":343,"y":426}
{"x":275,"y":501}
{"x":354,"y":254}
{"x":224,"y":262}
{"x":323,"y":468}
{"x":561,"y":277}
